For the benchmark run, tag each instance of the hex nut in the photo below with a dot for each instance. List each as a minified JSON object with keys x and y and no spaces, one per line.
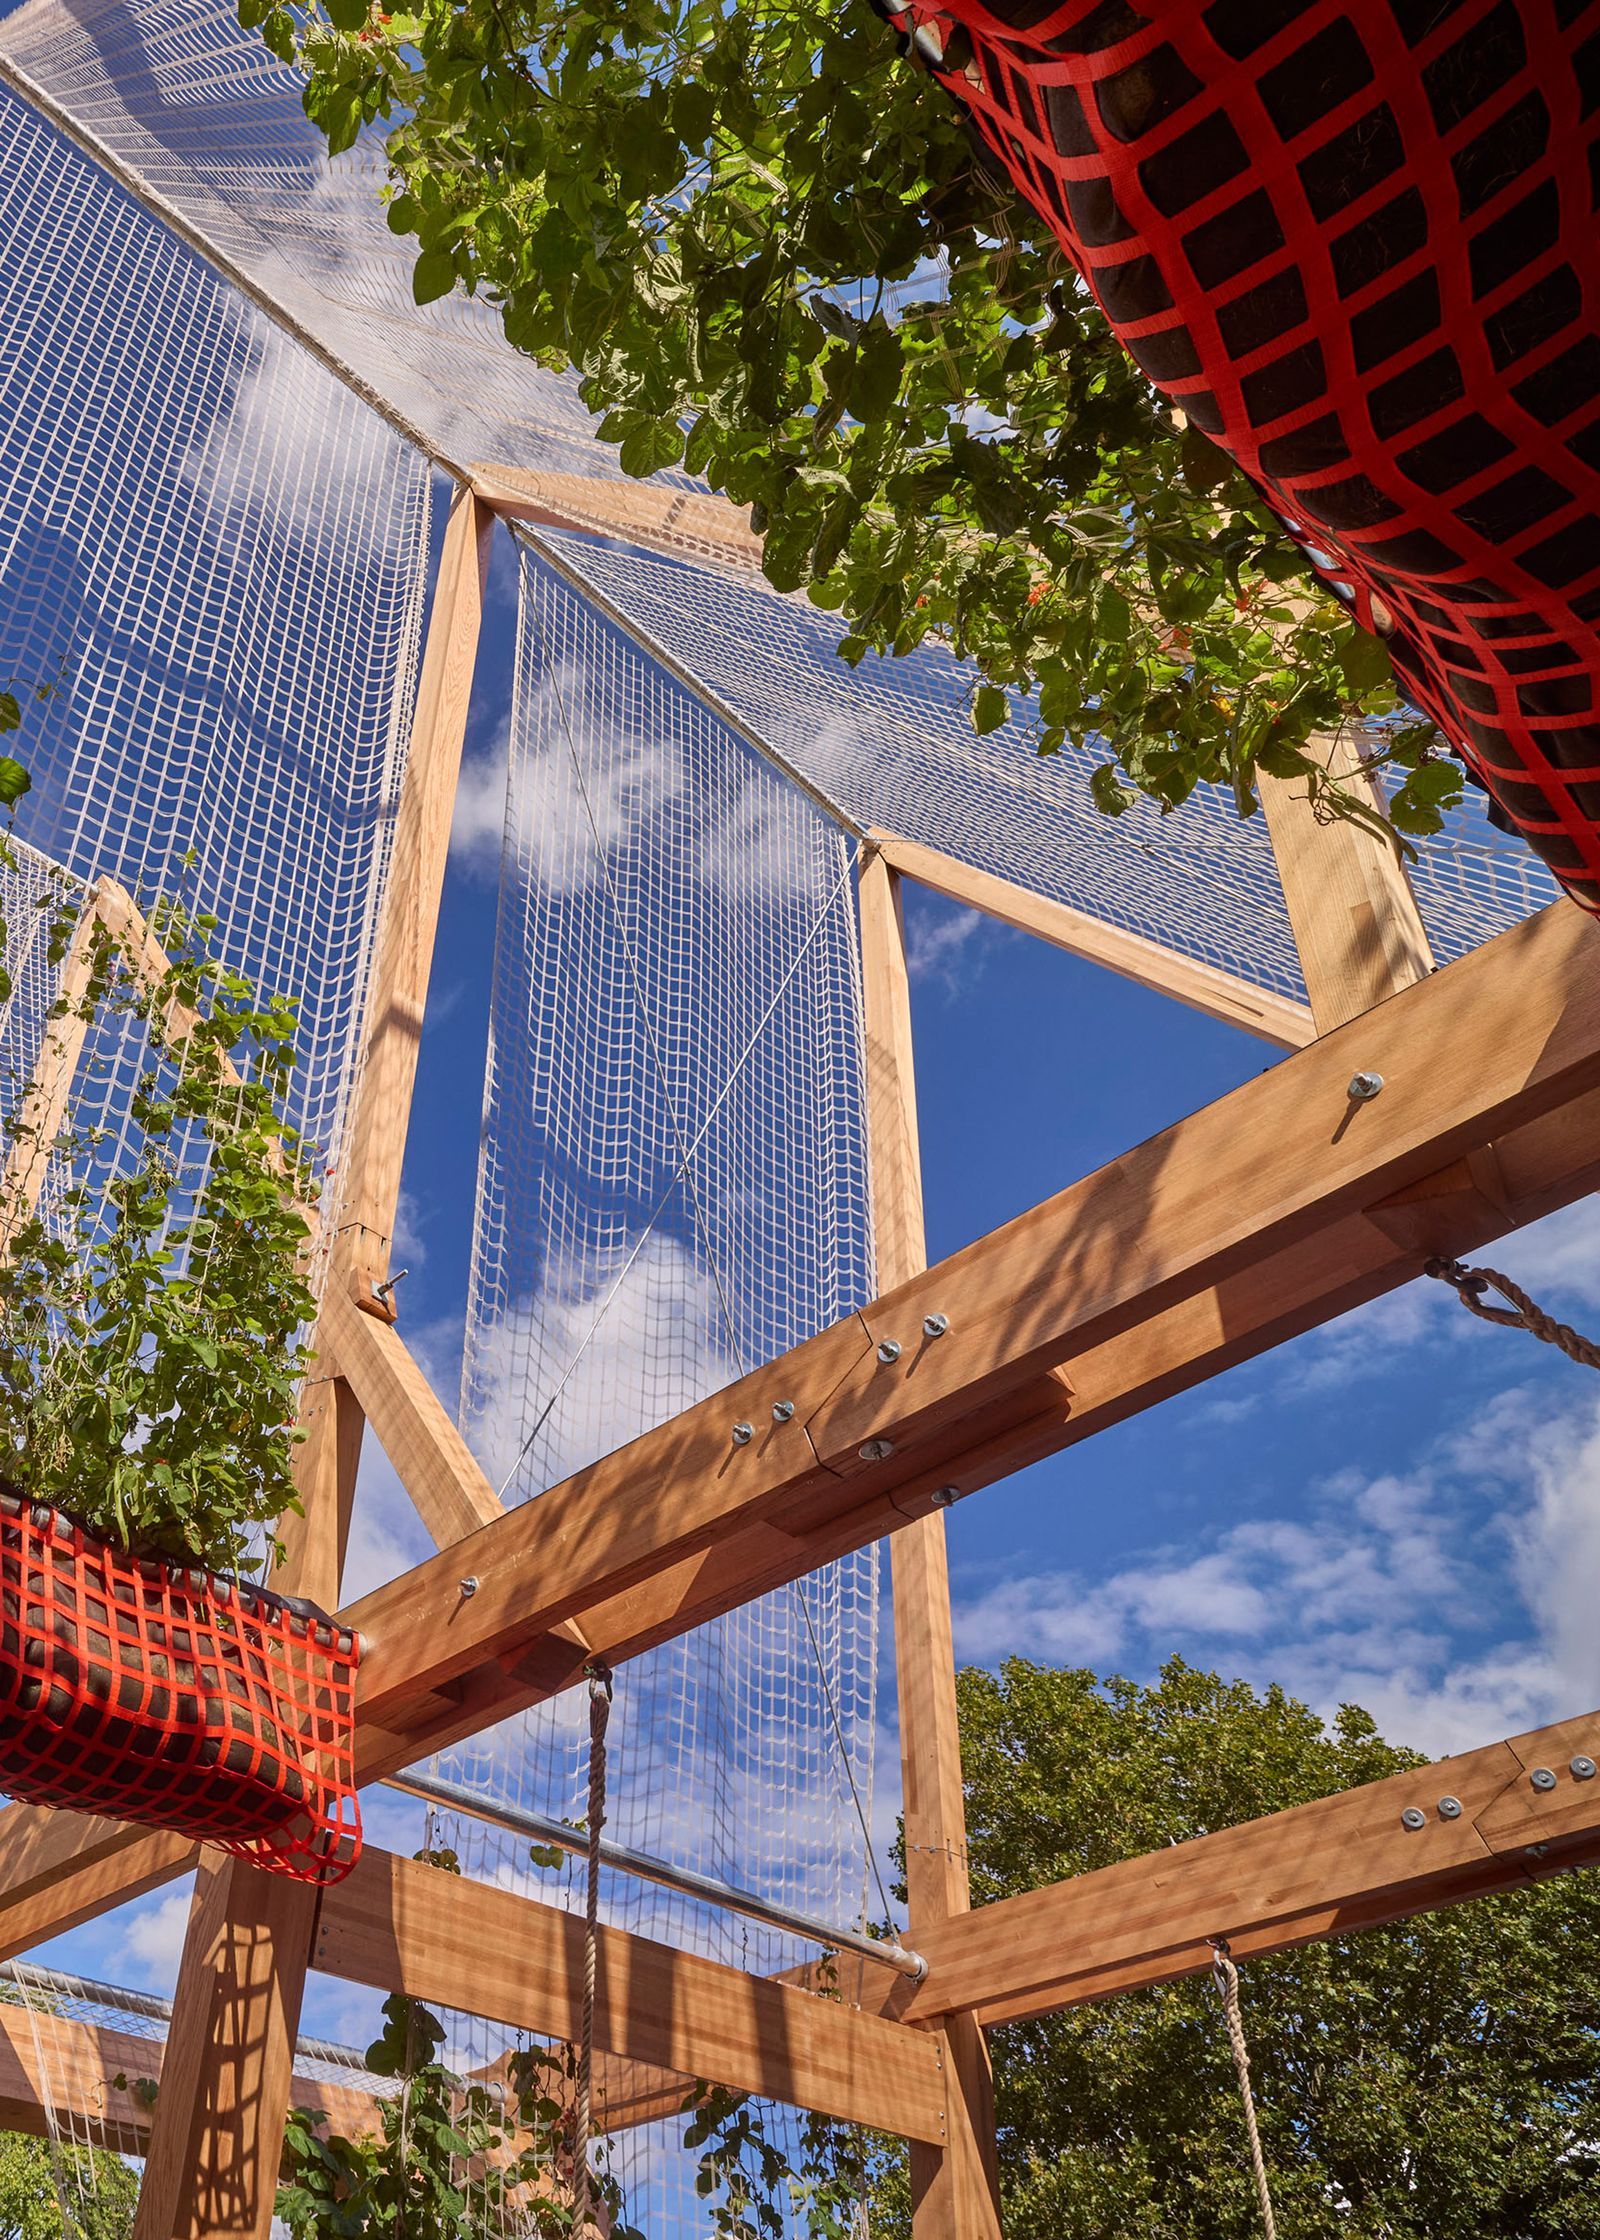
{"x":875,"y":1450}
{"x":1449,"y":1808}
{"x":889,"y":1351}
{"x":945,"y":1495}
{"x":1364,"y":1087}
{"x":783,"y":1411}
{"x":1542,"y":1778}
{"x":469,"y":1588}
{"x":935,"y":1325}
{"x":1413,"y":1818}
{"x":743,"y":1433}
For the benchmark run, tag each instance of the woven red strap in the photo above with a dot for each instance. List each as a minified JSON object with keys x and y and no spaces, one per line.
{"x":152,"y":1693}
{"x":1358,"y":245}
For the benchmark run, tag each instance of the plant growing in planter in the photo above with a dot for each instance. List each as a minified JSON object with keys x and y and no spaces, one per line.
{"x":150,"y":1358}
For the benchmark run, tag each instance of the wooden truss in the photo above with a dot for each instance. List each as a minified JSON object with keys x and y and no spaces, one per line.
{"x":1255,"y":1219}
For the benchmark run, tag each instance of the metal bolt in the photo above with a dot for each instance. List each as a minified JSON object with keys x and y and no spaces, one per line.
{"x":928,"y":45}
{"x":1364,"y":1087}
{"x":1413,"y":1818}
{"x":743,"y":1433}
{"x":469,"y":1588}
{"x":385,"y":1291}
{"x":1542,"y":1778}
{"x":889,"y":1351}
{"x":935,"y":1325}
{"x":945,"y":1495}
{"x":1538,"y":1850}
{"x":1583,"y":1769}
{"x":1449,"y":1808}
{"x":783,"y":1411}
{"x":875,"y":1450}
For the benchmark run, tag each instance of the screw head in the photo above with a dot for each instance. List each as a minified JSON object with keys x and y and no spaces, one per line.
{"x":935,"y":1325}
{"x":1542,"y":1778}
{"x":783,"y":1411}
{"x":1364,"y":1087}
{"x":875,"y":1450}
{"x":743,"y":1433}
{"x":1413,"y":1818}
{"x":945,"y":1496}
{"x":469,"y":1588}
{"x":889,"y":1350}
{"x":1582,"y":1769}
{"x":1449,"y":1808}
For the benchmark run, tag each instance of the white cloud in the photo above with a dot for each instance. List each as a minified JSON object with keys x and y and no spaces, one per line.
{"x":153,"y":1935}
{"x":946,"y":943}
{"x":1454,"y":1599}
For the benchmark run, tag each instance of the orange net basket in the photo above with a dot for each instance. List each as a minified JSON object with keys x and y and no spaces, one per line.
{"x":1357,"y":242}
{"x":147,"y":1690}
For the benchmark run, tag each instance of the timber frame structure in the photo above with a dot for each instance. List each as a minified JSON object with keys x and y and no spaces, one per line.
{"x":1267,"y":1213}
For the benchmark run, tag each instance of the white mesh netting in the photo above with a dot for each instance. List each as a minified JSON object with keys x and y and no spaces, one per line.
{"x":221,"y":556}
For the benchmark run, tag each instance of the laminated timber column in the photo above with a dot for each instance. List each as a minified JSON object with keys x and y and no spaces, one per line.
{"x":955,"y":2189}
{"x":1355,"y":919}
{"x":217,"y":2131}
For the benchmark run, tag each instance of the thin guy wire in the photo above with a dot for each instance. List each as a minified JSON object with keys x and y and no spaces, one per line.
{"x":599,"y":1719}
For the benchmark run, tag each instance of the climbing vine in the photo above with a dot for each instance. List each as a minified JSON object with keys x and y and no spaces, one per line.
{"x":770,"y":250}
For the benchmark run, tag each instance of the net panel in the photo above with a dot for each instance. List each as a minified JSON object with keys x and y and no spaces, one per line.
{"x":673,"y":1187}
{"x":214,"y":122}
{"x":220,"y":556}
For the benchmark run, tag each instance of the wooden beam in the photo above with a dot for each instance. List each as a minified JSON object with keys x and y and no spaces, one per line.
{"x":1240,"y":1226}
{"x":1355,"y":919}
{"x":375,"y":1145}
{"x":955,"y":2188}
{"x":686,"y":524}
{"x":1204,"y":987}
{"x":1345,"y":1862}
{"x":436,"y":1466}
{"x":399,"y":1926}
{"x":43,"y":1110}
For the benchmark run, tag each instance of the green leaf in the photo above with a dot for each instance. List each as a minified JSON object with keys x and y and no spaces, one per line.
{"x":433,"y":275}
{"x":655,"y":444}
{"x":10,"y":711}
{"x":990,"y":708}
{"x":14,"y":781}
{"x":346,"y":15}
{"x":1364,"y":661}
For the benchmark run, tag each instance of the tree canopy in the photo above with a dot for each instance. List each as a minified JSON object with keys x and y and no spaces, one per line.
{"x":1435,"y":2080}
{"x":776,"y":259}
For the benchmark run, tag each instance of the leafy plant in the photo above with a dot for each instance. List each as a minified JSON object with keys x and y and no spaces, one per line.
{"x":54,"y":2191}
{"x":150,"y":1349}
{"x":770,"y":250}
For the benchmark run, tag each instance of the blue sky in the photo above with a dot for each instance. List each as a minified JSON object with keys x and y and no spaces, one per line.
{"x":1402,"y":1509}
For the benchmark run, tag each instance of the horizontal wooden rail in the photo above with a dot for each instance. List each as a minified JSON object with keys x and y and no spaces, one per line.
{"x":1344,"y":1862}
{"x":1204,"y":987}
{"x":399,"y":1926}
{"x":1258,"y":1217}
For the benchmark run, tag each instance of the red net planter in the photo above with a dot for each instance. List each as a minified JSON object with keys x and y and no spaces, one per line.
{"x":147,"y":1691}
{"x":1358,"y":245}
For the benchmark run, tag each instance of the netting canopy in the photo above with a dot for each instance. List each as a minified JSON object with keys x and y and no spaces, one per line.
{"x":220,"y":415}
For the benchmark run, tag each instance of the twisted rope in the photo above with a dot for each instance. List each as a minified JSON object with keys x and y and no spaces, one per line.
{"x":1470,"y":1284}
{"x":599,"y":1718}
{"x":1226,"y":1977}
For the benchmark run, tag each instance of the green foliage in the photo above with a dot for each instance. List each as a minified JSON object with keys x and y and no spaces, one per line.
{"x":37,"y":2176}
{"x":1435,"y":2080}
{"x":748,"y":2185}
{"x":733,"y":223}
{"x":150,"y":1355}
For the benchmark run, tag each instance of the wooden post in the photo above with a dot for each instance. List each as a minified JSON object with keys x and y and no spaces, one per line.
{"x":955,"y":2190}
{"x":44,"y":1107}
{"x":217,"y":2134}
{"x":1355,"y":919}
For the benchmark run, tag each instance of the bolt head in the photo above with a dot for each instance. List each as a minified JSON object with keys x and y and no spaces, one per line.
{"x":469,"y":1588}
{"x":783,"y":1411}
{"x":935,"y":1325}
{"x":1413,"y":1818}
{"x":945,"y":1496}
{"x":1449,"y":1808}
{"x":743,"y":1433}
{"x":1364,"y":1087}
{"x":1582,"y":1769}
{"x":1542,"y":1778}
{"x":875,"y":1450}
{"x":889,"y":1351}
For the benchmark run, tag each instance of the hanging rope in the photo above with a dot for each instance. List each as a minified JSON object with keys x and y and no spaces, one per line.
{"x":1226,"y":1977}
{"x":599,"y":1718}
{"x":1470,"y":1284}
